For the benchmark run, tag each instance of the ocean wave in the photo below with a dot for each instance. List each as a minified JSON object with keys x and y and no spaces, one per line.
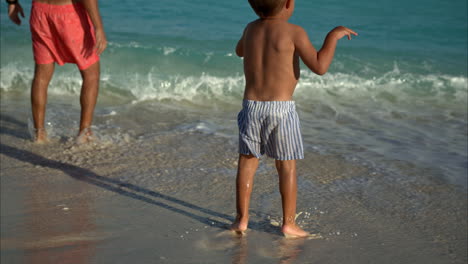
{"x":165,"y":50}
{"x":393,"y":87}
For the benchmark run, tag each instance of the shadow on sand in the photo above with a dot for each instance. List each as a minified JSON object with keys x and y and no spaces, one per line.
{"x":116,"y":186}
{"x":21,"y":133}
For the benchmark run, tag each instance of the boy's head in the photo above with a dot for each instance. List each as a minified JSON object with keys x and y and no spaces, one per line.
{"x":267,"y":8}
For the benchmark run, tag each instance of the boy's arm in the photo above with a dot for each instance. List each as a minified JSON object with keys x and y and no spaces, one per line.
{"x":14,"y":10}
{"x":319,"y":61}
{"x":93,"y":12}
{"x":240,"y":45}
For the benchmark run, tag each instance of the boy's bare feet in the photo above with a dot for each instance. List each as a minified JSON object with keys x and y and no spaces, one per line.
{"x":293,"y":231}
{"x":40,"y":136}
{"x":240,"y":225}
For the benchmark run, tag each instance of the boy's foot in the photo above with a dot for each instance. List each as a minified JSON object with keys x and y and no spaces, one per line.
{"x":293,"y":231}
{"x":40,"y":136}
{"x":239,"y":226}
{"x":85,"y":136}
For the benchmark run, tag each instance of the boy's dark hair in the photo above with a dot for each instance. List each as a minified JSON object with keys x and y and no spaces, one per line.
{"x":265,"y":8}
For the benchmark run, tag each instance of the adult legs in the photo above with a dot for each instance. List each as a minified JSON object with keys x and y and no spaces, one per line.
{"x":247,"y":166}
{"x":288,"y":189}
{"x":88,"y":99}
{"x":42,"y":75}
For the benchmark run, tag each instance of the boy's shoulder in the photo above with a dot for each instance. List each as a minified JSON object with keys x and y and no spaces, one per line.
{"x":297,"y":33}
{"x":296,"y":29}
{"x":293,"y":28}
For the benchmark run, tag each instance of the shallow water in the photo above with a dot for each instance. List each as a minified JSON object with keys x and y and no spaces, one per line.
{"x":169,"y":197}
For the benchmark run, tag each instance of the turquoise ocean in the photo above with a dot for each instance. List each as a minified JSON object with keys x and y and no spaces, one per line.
{"x":397,"y":92}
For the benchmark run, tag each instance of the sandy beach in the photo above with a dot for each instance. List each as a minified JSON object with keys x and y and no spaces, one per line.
{"x":151,"y":200}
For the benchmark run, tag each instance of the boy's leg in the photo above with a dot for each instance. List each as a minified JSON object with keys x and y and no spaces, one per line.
{"x":42,"y":75}
{"x":246,"y":168}
{"x":288,"y":189}
{"x":88,"y":98}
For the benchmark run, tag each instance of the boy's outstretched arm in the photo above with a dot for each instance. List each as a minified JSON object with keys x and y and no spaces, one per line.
{"x":93,"y":12}
{"x":319,"y":62}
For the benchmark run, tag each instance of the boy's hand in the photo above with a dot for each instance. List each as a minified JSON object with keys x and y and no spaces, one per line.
{"x":341,"y":31}
{"x":13,"y":10}
{"x":101,"y":41}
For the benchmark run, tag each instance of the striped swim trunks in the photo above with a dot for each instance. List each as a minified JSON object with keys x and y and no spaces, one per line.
{"x":270,"y":127}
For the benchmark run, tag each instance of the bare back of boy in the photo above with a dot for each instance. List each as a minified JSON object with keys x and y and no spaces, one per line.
{"x":271,"y":65}
{"x":271,"y":48}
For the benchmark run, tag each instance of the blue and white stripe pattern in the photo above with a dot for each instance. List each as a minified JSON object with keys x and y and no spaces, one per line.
{"x":270,"y":127}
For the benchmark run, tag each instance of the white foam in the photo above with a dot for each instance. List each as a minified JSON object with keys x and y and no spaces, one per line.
{"x":168,"y":50}
{"x":154,"y":85}
{"x":131,"y":44}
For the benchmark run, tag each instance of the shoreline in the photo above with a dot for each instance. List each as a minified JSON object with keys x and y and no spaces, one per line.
{"x":165,"y":193}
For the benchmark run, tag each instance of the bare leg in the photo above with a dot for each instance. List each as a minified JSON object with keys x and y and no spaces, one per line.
{"x":288,"y":189}
{"x":244,"y":182}
{"x":88,"y":99}
{"x":42,"y":75}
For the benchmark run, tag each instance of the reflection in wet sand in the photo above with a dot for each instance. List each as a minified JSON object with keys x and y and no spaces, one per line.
{"x":240,"y":255}
{"x":286,"y":251}
{"x":58,"y":232}
{"x":290,"y":249}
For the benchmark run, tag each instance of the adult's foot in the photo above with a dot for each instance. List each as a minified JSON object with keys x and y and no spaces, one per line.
{"x":293,"y":231}
{"x":240,"y":225}
{"x":85,"y":136}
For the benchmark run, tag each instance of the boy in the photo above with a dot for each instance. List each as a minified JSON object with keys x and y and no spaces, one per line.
{"x":268,"y":122}
{"x":64,"y":31}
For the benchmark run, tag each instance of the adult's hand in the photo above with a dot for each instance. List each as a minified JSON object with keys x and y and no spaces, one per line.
{"x":13,"y":12}
{"x":101,"y":41}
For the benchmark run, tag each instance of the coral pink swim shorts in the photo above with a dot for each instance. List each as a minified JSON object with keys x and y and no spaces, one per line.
{"x":62,"y":34}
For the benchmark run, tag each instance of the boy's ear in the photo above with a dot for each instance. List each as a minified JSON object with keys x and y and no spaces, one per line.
{"x":288,"y":4}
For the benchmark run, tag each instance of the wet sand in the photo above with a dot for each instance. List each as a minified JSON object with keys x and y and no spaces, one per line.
{"x":169,"y":198}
